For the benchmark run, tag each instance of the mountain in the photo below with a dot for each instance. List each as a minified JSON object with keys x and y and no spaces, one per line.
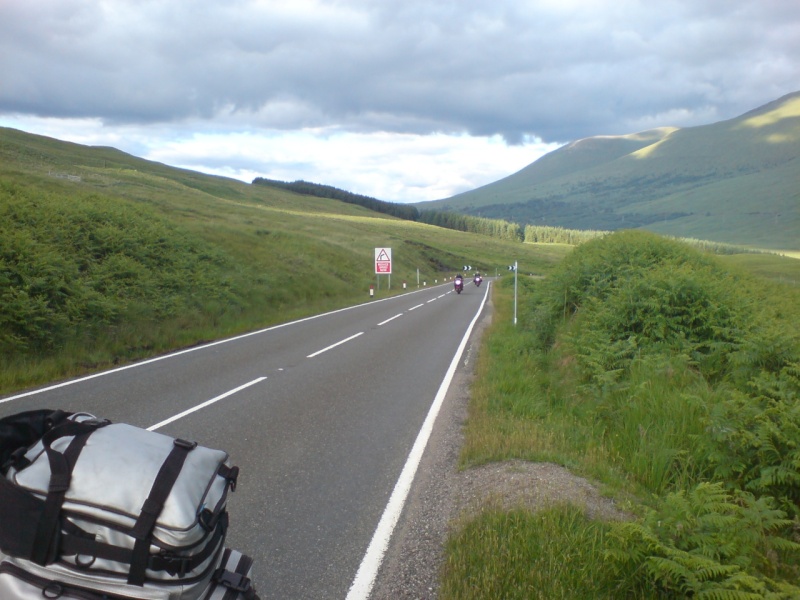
{"x":735,"y":181}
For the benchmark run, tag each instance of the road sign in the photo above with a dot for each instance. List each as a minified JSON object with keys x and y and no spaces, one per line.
{"x":468,"y":267}
{"x":383,"y":260}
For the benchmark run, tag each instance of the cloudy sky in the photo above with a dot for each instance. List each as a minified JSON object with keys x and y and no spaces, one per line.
{"x":402,"y":100}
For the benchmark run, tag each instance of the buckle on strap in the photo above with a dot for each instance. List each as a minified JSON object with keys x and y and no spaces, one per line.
{"x":232,"y":580}
{"x":230,"y":475}
{"x":172,"y":564}
{"x":17,"y":459}
{"x":233,"y":477}
{"x":185,"y":444}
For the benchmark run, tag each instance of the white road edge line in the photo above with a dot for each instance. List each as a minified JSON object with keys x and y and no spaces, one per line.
{"x":204,"y":404}
{"x":352,"y":337}
{"x":361,"y":587}
{"x":390,"y":319}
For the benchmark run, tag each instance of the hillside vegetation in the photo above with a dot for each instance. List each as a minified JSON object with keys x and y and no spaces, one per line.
{"x":669,"y":375}
{"x":736,"y":181}
{"x":105,"y":258}
{"x":672,"y":378}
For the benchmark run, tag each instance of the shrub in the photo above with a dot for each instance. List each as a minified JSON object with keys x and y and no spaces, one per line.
{"x":68,"y":269}
{"x":753,"y":438}
{"x":708,"y":543}
{"x":692,"y":373}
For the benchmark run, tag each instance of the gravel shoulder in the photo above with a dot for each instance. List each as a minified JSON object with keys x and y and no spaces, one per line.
{"x":441,"y":493}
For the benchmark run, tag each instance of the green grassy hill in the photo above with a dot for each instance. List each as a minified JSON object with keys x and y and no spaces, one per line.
{"x":736,"y":181}
{"x":105,"y":257}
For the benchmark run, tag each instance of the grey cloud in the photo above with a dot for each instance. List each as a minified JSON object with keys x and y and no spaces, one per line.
{"x":507,"y":67}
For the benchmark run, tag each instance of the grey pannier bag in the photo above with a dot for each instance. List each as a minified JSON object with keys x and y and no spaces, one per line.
{"x":94,"y":509}
{"x":22,"y":580}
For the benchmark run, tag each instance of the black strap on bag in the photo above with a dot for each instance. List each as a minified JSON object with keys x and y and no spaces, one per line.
{"x":78,"y":543}
{"x":162,"y":486}
{"x":45,"y":541}
{"x":48,"y":530}
{"x":238,"y":580}
{"x":20,"y":507}
{"x":233,"y":579}
{"x":20,"y":431}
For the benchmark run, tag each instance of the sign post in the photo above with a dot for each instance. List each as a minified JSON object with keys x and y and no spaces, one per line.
{"x":515,"y":292}
{"x":514,"y":268}
{"x":383,"y":263}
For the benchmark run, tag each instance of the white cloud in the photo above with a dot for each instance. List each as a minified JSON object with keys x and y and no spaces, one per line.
{"x":383,"y":165}
{"x":388,"y":166}
{"x":360,"y":79}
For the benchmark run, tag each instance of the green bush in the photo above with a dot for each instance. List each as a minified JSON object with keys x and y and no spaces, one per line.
{"x":635,"y":293}
{"x":72,"y":269}
{"x":674,"y":308}
{"x":708,"y":543}
{"x":753,"y":438}
{"x":597,"y":267}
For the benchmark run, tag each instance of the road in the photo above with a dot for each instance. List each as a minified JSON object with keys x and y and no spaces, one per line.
{"x":319,"y":414}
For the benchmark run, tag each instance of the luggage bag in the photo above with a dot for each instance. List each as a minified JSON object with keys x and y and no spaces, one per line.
{"x":94,"y":507}
{"x":20,"y":580}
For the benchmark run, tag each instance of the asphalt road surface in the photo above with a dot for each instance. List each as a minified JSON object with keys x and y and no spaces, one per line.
{"x":319,"y":414}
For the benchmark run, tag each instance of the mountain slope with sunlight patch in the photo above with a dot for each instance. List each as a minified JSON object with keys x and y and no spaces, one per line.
{"x":735,"y":181}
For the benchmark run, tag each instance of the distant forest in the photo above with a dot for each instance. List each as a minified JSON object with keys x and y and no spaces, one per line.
{"x":496,"y":228}
{"x":508,"y":230}
{"x":402,"y":211}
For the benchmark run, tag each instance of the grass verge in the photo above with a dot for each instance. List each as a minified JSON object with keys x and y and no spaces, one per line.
{"x":671,"y":381}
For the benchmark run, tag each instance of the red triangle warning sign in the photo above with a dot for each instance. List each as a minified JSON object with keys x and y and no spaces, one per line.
{"x":383,"y":260}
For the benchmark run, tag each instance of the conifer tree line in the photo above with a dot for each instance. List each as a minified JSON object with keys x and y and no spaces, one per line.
{"x":506,"y":230}
{"x":402,"y":211}
{"x":495,"y":228}
{"x":549,"y":234}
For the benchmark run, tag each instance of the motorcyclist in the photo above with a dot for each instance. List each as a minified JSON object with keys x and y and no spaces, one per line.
{"x":459,"y":282}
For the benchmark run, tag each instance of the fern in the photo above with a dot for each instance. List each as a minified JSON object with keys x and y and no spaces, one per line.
{"x":708,"y":543}
{"x":754,"y":438}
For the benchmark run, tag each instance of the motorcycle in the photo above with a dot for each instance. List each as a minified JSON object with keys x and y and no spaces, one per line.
{"x":477,"y":280}
{"x":459,"y":285}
